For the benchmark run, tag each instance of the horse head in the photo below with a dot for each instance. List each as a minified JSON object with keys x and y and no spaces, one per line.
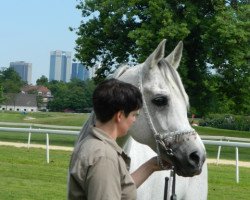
{"x":162,"y":123}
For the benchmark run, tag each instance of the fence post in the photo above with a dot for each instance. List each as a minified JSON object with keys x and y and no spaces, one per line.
{"x":47,"y":147}
{"x":237,"y":164}
{"x":218,"y":155}
{"x":29,"y":138}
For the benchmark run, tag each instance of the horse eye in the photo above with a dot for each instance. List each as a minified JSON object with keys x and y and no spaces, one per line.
{"x":160,"y":101}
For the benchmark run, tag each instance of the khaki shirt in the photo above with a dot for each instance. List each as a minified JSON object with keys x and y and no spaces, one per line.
{"x":99,"y":170}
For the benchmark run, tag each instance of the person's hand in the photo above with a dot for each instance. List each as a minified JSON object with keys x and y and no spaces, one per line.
{"x":156,"y":166}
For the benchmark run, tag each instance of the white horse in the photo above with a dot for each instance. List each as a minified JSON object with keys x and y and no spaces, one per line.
{"x":162,"y":128}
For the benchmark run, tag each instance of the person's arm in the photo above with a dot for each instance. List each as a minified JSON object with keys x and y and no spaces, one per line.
{"x":145,"y":170}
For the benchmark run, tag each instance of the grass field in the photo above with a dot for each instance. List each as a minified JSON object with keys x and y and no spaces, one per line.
{"x":222,"y":185}
{"x":60,"y":140}
{"x":77,"y":119}
{"x":25,"y":175}
{"x":221,"y":132}
{"x":54,"y":118}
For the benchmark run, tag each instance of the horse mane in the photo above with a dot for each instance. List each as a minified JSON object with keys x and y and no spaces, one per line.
{"x":173,"y":77}
{"x":119,"y":71}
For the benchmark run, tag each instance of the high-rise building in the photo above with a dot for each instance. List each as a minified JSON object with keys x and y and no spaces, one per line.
{"x":23,"y":69}
{"x":60,"y":66}
{"x":79,"y":71}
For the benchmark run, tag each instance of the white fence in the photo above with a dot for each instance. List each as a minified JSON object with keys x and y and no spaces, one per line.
{"x":207,"y":140}
{"x":227,"y":141}
{"x":44,"y":131}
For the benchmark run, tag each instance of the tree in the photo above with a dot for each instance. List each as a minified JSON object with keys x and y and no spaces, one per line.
{"x":215,"y":38}
{"x":75,"y":95}
{"x":39,"y":100}
{"x":1,"y":94}
{"x":60,"y":92}
{"x":10,"y":81}
{"x":227,"y":44}
{"x":43,"y":80}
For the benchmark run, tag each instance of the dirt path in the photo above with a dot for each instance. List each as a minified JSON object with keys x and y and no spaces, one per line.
{"x":229,"y":162}
{"x":15,"y":144}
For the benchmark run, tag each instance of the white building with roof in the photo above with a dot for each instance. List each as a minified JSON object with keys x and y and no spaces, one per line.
{"x":20,"y":102}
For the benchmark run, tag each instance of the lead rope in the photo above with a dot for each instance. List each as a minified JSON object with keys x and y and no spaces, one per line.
{"x":166,"y":189}
{"x":173,"y":196}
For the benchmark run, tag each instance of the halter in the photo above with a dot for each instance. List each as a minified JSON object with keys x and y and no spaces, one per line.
{"x":164,"y":137}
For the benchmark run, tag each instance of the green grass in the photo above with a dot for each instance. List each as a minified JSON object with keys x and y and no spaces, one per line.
{"x":228,"y":153}
{"x":49,"y":118}
{"x":221,"y":132}
{"x":52,"y":118}
{"x":38,"y":138}
{"x":28,"y":176}
{"x":76,"y":119}
{"x":222,"y":185}
{"x":25,"y":175}
{"x":68,"y":140}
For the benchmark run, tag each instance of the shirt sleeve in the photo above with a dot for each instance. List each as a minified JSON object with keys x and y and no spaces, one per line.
{"x":103,"y":180}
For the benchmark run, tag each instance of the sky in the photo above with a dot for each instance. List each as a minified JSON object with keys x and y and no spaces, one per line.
{"x":30,"y":29}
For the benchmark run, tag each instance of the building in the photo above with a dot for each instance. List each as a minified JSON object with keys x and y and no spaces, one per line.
{"x":79,"y":72}
{"x":42,"y":92}
{"x":23,"y":69}
{"x":60,"y":66}
{"x":20,"y":102}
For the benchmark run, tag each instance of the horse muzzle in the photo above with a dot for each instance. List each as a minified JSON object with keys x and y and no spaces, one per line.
{"x":189,"y":166}
{"x":187,"y":155}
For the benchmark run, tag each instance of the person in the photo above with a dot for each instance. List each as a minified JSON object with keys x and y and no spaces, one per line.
{"x":99,"y":167}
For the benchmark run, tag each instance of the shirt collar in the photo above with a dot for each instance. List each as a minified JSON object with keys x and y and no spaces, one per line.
{"x":100,"y":134}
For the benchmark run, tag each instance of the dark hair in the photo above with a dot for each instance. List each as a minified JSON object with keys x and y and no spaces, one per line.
{"x":112,"y":96}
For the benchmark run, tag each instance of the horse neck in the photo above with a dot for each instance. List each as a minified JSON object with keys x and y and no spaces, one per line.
{"x":131,"y":75}
{"x":86,"y":127}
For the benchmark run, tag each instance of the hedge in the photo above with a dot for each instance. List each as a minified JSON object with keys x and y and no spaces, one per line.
{"x":227,"y":121}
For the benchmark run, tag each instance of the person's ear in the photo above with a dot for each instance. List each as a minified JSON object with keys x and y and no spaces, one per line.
{"x":119,"y":116}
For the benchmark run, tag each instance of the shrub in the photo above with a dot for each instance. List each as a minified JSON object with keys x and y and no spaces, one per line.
{"x":227,"y":121}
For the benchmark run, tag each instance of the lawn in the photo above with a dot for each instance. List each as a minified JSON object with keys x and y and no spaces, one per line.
{"x":222,"y":185}
{"x":221,"y":132}
{"x":50,"y":118}
{"x":28,"y":176}
{"x":77,"y":119}
{"x":38,"y":138}
{"x":226,"y":152}
{"x":25,"y":175}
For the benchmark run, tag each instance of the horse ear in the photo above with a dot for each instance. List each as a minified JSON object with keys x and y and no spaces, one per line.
{"x":157,"y":55}
{"x":174,"y":58}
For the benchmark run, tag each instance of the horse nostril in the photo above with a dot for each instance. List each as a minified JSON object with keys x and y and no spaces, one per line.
{"x":195,"y":157}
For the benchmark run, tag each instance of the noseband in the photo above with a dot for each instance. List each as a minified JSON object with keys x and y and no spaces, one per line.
{"x":163,"y":138}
